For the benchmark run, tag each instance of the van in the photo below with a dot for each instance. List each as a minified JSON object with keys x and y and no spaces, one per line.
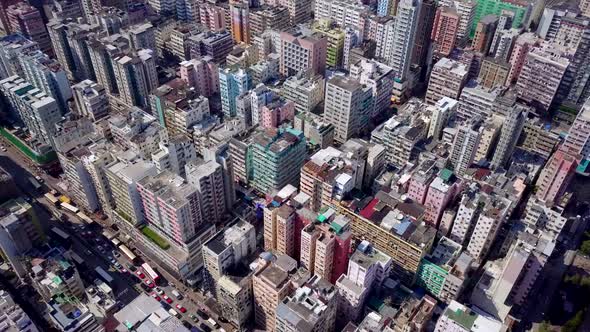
{"x":212,"y":322}
{"x":177,"y":294}
{"x":173,"y":312}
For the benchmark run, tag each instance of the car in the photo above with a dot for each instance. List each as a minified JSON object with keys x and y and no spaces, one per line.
{"x":187,"y":324}
{"x":116,"y":254}
{"x":167,"y":299}
{"x":204,"y":327}
{"x":100,"y":249}
{"x":202,"y":314}
{"x":155,"y":296}
{"x":159,"y":291}
{"x":165,"y":305}
{"x":117,"y":265}
{"x":150,"y":284}
{"x":131,"y":267}
{"x":88,"y":252}
{"x":140,"y":274}
{"x":145,"y":288}
{"x":123,"y":270}
{"x":181,"y":308}
{"x":222,"y":319}
{"x":194,"y":318}
{"x":112,"y":260}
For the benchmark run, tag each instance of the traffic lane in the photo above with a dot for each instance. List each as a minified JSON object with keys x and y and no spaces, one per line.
{"x":21,"y":174}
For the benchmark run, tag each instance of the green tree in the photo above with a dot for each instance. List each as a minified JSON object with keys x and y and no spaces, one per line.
{"x":574,"y":324}
{"x":544,"y":327}
{"x":585,"y":248}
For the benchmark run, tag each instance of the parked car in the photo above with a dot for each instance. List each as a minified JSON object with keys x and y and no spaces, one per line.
{"x":181,"y":308}
{"x":202,"y":314}
{"x":167,"y":299}
{"x":155,"y":296}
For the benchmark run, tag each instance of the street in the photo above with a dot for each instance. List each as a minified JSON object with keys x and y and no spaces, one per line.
{"x":87,"y":239}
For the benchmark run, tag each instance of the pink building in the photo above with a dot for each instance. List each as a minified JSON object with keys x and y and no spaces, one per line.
{"x":524,"y":43}
{"x":556,"y":176}
{"x":301,"y":52}
{"x":441,"y":193}
{"x":325,"y":246}
{"x":212,"y":16}
{"x":418,"y":188}
{"x":202,"y":75}
{"x":171,"y":206}
{"x":444,"y":30}
{"x":273,"y":115}
{"x":27,"y":20}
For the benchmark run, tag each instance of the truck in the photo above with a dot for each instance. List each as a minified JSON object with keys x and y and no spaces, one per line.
{"x":173,"y":312}
{"x":177,"y":294}
{"x":212,"y":322}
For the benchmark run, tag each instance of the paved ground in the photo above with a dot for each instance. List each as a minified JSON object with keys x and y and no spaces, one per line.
{"x":126,"y":286}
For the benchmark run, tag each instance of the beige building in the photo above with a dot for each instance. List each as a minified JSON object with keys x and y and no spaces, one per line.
{"x":446,"y":80}
{"x":493,"y":72}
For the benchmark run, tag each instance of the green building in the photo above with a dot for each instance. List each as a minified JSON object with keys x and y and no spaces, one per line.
{"x":277,"y":158}
{"x":435,"y":268}
{"x":335,"y":36}
{"x":520,"y":8}
{"x":431,"y":277}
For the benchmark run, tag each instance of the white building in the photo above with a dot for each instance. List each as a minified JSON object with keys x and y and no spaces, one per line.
{"x":347,"y":106}
{"x":446,"y":80}
{"x":91,"y":99}
{"x":459,"y":318}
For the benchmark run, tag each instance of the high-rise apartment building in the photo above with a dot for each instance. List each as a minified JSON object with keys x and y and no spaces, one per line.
{"x":306,"y":91}
{"x":405,"y":245}
{"x":577,"y":141}
{"x":312,"y":307}
{"x":494,"y":214}
{"x":171,"y":206}
{"x":202,"y":75}
{"x":233,"y":81}
{"x":404,"y":35}
{"x":465,"y":145}
{"x":11,"y":49}
{"x":379,"y":77}
{"x":444,"y":31}
{"x":446,"y":80}
{"x":122,"y":178}
{"x":91,"y":99}
{"x":476,"y":101}
{"x":541,"y":76}
{"x":493,"y":73}
{"x":136,"y":77}
{"x":33,"y":108}
{"x":522,"y":46}
{"x":484,"y":33}
{"x":301,"y":52}
{"x":207,"y":177}
{"x":27,"y":20}
{"x":4,"y":23}
{"x":264,"y":18}
{"x":511,"y":130}
{"x":556,"y":176}
{"x":240,"y":23}
{"x":272,"y":283}
{"x":441,"y":192}
{"x":277,"y":157}
{"x":347,"y":105}
{"x":48,"y":76}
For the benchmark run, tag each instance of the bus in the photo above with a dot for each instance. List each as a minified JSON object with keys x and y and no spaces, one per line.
{"x":63,"y":236}
{"x":85,"y":218}
{"x":116,"y":242}
{"x":35,"y":183}
{"x":128,"y":253}
{"x":108,"y":234}
{"x":51,"y":198}
{"x":150,"y":272}
{"x":104,"y":275}
{"x":70,"y":207}
{"x":77,"y":259}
